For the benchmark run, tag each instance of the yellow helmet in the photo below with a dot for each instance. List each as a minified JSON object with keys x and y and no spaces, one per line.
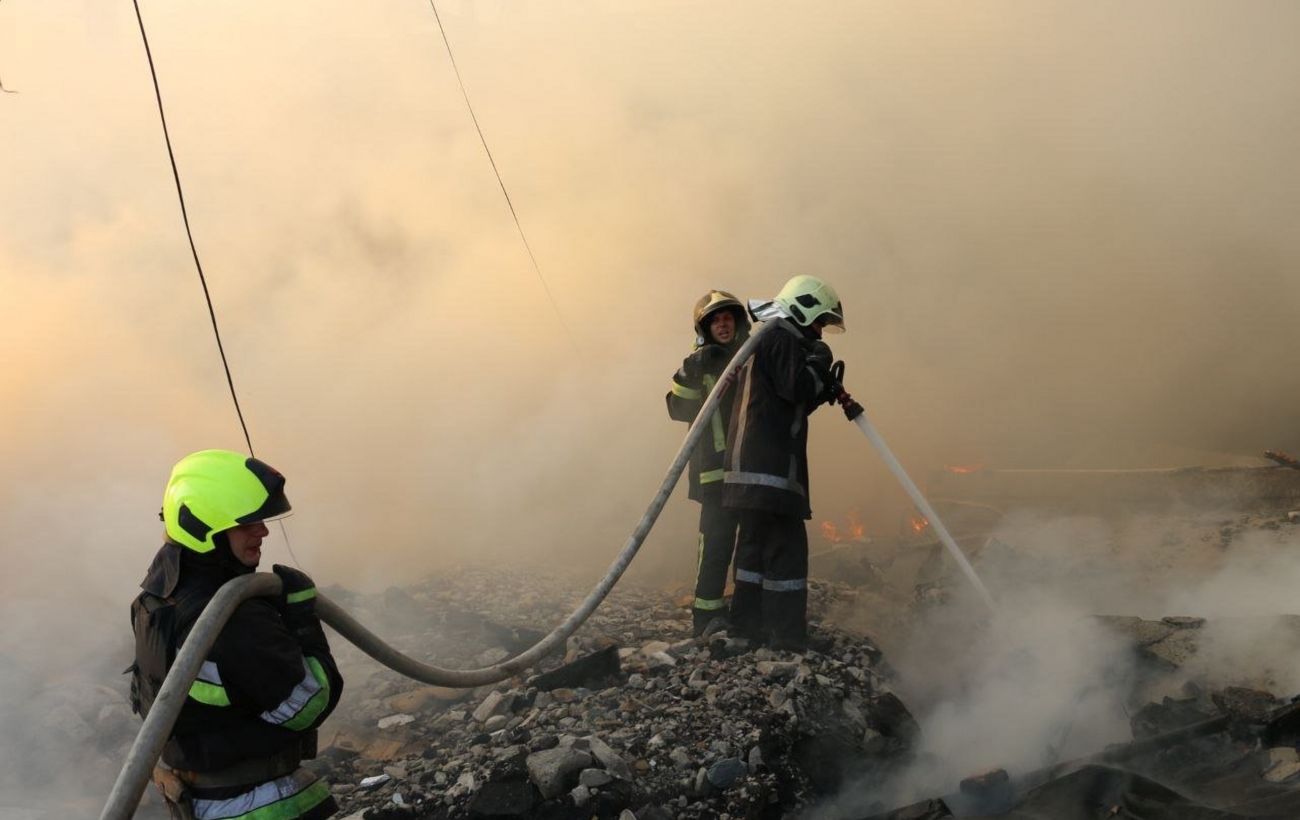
{"x":214,"y":490}
{"x":806,"y":298}
{"x":713,"y":301}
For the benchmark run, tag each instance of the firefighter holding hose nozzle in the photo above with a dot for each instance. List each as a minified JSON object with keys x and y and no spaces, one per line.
{"x":765,"y":476}
{"x":250,"y":718}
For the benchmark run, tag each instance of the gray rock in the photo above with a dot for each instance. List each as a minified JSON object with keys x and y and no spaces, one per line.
{"x":581,"y":795}
{"x":660,"y":660}
{"x":777,"y":670}
{"x":680,"y":758}
{"x":701,"y":786}
{"x":609,"y":759}
{"x":395,"y":720}
{"x":495,"y":722}
{"x":553,"y":770}
{"x":724,"y":773}
{"x":496,"y":703}
{"x":594,"y":778}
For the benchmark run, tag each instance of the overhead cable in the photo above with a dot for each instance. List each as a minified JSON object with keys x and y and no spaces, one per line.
{"x":185,"y":217}
{"x":537,"y":268}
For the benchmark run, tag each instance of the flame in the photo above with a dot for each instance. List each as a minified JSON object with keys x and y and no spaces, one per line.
{"x":831,"y":533}
{"x":856,"y":530}
{"x":919,"y":524}
{"x":963,"y":469}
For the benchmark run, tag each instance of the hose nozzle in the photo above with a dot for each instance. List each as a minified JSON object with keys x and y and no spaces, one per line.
{"x":838,"y":394}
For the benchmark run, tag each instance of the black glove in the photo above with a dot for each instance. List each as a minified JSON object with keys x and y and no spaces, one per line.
{"x":820,"y":360}
{"x":298,"y":598}
{"x":704,"y":360}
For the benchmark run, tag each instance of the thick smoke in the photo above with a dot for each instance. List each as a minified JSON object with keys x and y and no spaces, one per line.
{"x":1062,"y":235}
{"x":1041,"y":681}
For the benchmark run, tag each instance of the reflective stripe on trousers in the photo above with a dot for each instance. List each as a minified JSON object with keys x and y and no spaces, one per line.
{"x":790,"y":585}
{"x":284,"y":798}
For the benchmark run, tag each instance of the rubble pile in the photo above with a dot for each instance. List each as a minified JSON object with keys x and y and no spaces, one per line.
{"x":636,"y":720}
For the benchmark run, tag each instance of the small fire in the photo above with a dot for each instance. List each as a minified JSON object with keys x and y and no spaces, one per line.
{"x":856,"y":530}
{"x":853,"y":529}
{"x":963,"y":469}
{"x":919,"y":524}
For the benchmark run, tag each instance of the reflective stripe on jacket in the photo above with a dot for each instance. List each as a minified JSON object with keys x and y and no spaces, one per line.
{"x":260,"y":690}
{"x":685,"y":398}
{"x":766,"y":464}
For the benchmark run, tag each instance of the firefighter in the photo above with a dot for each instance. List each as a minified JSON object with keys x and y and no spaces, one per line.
{"x":721,"y":327}
{"x":250,"y":717}
{"x":765,"y":477}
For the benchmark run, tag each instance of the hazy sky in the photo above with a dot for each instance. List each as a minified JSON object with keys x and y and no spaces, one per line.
{"x":1063,"y":233}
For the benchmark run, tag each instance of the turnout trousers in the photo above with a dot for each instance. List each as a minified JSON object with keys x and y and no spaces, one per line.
{"x":717,"y":545}
{"x":771,"y":599}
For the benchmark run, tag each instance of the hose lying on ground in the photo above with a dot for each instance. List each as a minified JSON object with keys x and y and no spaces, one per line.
{"x":157,"y":727}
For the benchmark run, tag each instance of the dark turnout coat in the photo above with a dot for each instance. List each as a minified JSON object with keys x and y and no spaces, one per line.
{"x":766,"y":464}
{"x":263,"y":689}
{"x":685,"y":397}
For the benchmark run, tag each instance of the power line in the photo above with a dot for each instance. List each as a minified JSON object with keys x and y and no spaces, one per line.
{"x":185,"y":217}
{"x":537,"y":268}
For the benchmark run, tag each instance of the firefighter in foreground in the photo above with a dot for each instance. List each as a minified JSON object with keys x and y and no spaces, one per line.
{"x":250,"y":718}
{"x":765,"y":478}
{"x":721,"y":327}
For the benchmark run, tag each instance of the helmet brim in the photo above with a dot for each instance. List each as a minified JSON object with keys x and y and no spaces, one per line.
{"x":276,"y":506}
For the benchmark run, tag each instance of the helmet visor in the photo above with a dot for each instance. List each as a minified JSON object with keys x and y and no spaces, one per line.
{"x":277,"y":503}
{"x":834,"y":320}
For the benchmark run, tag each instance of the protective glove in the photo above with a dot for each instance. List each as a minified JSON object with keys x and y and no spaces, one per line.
{"x":298,"y":599}
{"x":820,"y":360}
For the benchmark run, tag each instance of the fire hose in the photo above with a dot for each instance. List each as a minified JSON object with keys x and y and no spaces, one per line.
{"x":157,"y":727}
{"x":855,"y":413}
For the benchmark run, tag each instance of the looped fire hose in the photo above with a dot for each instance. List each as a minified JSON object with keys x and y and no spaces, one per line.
{"x":157,"y":727}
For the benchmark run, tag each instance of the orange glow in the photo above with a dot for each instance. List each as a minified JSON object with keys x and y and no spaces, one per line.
{"x":963,"y":469}
{"x":919,"y":524}
{"x":831,"y":533}
{"x":856,"y":529}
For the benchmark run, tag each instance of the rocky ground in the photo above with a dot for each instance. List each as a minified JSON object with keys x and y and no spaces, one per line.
{"x":637,"y":720}
{"x":651,"y":723}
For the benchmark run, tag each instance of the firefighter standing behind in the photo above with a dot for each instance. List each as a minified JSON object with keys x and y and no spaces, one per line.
{"x":269,"y":680}
{"x":766,"y":472}
{"x":721,"y":327}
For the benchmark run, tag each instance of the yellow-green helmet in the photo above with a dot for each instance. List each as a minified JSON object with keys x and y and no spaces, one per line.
{"x":806,"y":298}
{"x":214,"y":490}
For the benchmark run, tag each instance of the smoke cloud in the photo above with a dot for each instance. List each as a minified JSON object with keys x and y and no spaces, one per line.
{"x":1062,"y":235}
